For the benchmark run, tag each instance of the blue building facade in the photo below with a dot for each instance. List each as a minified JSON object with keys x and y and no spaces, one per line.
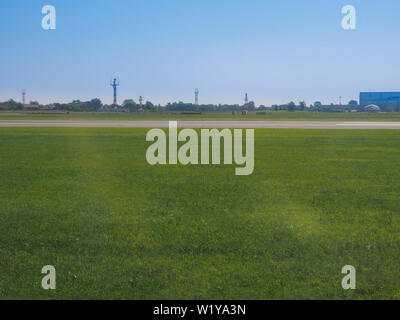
{"x":387,"y":101}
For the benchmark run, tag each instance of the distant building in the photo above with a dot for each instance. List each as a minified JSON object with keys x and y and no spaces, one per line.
{"x":372,"y":108}
{"x":387,"y":101}
{"x":48,"y":107}
{"x":31,"y":107}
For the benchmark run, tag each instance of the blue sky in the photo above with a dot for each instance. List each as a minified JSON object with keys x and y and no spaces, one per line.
{"x":277,"y":51}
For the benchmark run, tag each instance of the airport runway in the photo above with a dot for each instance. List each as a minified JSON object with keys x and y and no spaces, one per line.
{"x":203,"y":124}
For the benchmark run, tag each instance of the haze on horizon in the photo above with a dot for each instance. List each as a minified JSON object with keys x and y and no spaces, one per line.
{"x":163,"y":49}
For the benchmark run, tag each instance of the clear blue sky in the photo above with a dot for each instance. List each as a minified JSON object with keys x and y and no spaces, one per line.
{"x":277,"y":51}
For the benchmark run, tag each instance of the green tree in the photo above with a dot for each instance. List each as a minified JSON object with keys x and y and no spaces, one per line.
{"x":96,"y":102}
{"x":252,"y":106}
{"x":317,"y":104}
{"x":149,"y":105}
{"x":291,"y":106}
{"x":130,"y":105}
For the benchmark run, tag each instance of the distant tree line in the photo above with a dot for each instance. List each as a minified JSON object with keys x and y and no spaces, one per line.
{"x":11,"y":105}
{"x":181,"y":106}
{"x":129,"y":105}
{"x":77,"y":105}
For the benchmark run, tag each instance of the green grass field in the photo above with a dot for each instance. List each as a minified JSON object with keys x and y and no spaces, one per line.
{"x":269,"y":116}
{"x":87,"y":202}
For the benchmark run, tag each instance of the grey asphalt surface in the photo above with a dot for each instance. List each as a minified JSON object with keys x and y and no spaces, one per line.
{"x":203,"y":124}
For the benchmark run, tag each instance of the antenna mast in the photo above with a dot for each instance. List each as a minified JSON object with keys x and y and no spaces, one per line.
{"x":141,"y":102}
{"x":196,"y":97}
{"x":114,"y":84}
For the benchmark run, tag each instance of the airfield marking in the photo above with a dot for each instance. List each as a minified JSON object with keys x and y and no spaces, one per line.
{"x":203,"y":124}
{"x":371,"y":124}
